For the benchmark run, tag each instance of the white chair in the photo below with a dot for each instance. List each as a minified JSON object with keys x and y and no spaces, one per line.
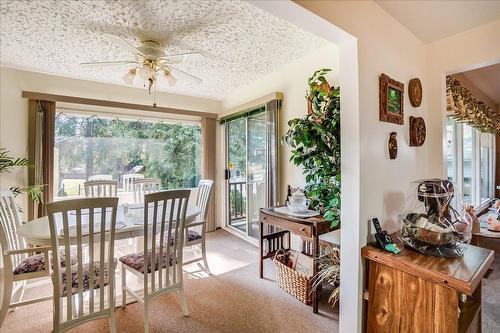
{"x":127,"y":181}
{"x":19,"y":262}
{"x":88,"y":223}
{"x":164,"y":216}
{"x":145,"y":186}
{"x":100,"y":188}
{"x":195,"y":231}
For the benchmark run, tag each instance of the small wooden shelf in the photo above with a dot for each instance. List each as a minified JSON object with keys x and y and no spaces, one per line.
{"x":412,"y":292}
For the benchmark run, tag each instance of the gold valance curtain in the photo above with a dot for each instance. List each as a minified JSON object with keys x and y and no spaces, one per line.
{"x":41,"y":123}
{"x":464,"y":107}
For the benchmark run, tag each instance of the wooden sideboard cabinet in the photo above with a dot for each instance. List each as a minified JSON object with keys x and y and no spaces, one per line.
{"x":412,"y":292}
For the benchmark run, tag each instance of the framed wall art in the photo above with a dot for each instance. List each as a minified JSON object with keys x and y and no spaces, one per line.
{"x":417,"y":131}
{"x":415,"y":92}
{"x":391,"y":100}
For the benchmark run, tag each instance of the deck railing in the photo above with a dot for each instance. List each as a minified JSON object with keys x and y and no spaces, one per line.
{"x":237,"y":199}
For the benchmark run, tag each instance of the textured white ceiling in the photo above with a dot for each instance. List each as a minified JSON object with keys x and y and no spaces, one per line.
{"x":240,"y":41}
{"x":436,"y":19}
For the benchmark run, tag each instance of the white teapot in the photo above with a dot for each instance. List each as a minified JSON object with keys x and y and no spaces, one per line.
{"x":298,"y":202}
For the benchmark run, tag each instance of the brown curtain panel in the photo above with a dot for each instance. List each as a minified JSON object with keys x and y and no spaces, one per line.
{"x":41,"y":126}
{"x":208,"y":126}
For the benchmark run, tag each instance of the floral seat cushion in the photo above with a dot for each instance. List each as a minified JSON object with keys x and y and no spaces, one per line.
{"x":136,"y":260}
{"x":36,"y":263}
{"x":87,"y":270}
{"x":191,"y":235}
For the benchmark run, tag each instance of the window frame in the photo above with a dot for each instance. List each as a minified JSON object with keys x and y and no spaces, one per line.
{"x":458,"y":161}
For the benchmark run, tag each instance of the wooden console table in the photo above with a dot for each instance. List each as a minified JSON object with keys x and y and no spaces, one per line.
{"x":308,"y":228}
{"x":412,"y":292}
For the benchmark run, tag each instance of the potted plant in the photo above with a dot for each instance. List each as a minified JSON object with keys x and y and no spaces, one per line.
{"x":7,"y":163}
{"x":315,"y":145}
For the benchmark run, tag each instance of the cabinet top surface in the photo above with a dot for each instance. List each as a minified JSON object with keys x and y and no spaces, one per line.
{"x":462,"y":274}
{"x":308,"y":220}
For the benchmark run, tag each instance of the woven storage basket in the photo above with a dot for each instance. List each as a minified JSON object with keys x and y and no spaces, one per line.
{"x":296,"y":284}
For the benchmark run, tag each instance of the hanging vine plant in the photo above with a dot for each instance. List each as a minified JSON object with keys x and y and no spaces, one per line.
{"x":315,"y":145}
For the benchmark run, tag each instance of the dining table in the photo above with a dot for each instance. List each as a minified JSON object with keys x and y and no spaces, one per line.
{"x":129,"y":224}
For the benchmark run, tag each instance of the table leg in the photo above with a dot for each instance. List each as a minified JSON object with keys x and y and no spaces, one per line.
{"x":315,"y":253}
{"x":261,"y":264}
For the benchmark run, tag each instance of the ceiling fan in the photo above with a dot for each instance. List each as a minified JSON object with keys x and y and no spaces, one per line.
{"x":150,"y":62}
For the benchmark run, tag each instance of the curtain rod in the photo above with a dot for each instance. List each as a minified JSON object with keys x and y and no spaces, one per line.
{"x":113,"y":104}
{"x":123,"y":115}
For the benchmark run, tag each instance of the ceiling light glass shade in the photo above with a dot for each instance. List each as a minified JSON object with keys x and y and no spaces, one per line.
{"x":145,"y":72}
{"x":130,"y":76}
{"x":170,"y":79}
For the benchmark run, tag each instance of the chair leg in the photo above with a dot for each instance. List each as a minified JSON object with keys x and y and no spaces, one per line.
{"x":146,"y":316}
{"x":7,"y":293}
{"x":112,"y":321}
{"x":124,"y":284}
{"x":185,"y":310}
{"x":204,"y":255}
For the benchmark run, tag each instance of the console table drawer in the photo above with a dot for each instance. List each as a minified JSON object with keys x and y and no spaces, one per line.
{"x":295,"y":228}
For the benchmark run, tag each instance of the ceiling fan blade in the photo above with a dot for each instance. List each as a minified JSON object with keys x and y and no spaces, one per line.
{"x":188,"y":57}
{"x":109,"y":63}
{"x":117,"y":40}
{"x":180,"y":73}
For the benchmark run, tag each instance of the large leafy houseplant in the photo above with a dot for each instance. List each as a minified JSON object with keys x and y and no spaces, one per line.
{"x":315,"y":145}
{"x":7,"y":164}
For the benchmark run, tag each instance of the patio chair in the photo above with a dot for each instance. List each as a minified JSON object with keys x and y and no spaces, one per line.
{"x":160,"y":264}
{"x":91,"y":223}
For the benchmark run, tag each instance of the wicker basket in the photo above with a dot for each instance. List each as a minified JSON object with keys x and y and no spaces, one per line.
{"x":296,"y":284}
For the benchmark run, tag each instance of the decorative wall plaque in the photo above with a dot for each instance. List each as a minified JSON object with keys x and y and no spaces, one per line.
{"x":415,"y":92}
{"x":393,"y":145}
{"x":417,"y":131}
{"x":391,"y":101}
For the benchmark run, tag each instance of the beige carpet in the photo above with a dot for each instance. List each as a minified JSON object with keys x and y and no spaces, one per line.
{"x":233,"y":299}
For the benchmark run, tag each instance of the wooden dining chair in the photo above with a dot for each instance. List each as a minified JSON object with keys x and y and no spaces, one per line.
{"x":100,"y":188}
{"x":84,"y":291}
{"x":127,"y":181}
{"x":195,"y":231}
{"x":159,"y":265}
{"x":20,"y":264}
{"x":143,"y":186}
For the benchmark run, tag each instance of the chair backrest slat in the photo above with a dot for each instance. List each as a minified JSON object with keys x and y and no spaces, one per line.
{"x":77,"y":221}
{"x":101,"y":188}
{"x":164,"y":213}
{"x":203,"y":197}
{"x":145,"y":186}
{"x":9,"y":238}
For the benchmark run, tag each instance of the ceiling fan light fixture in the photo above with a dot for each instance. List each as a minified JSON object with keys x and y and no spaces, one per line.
{"x":145,"y":72}
{"x":170,"y":78}
{"x":130,"y":76}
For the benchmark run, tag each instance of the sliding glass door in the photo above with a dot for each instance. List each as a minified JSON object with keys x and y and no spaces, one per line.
{"x":246,"y":173}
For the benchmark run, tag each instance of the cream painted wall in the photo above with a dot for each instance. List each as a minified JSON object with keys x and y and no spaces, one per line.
{"x":13,"y":108}
{"x":474,"y":48}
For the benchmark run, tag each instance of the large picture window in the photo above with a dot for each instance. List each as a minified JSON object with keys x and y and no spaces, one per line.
{"x":470,"y":162}
{"x":109,"y":147}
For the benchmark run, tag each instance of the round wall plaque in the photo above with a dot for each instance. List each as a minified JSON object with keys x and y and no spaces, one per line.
{"x":417,"y":131}
{"x":415,"y":92}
